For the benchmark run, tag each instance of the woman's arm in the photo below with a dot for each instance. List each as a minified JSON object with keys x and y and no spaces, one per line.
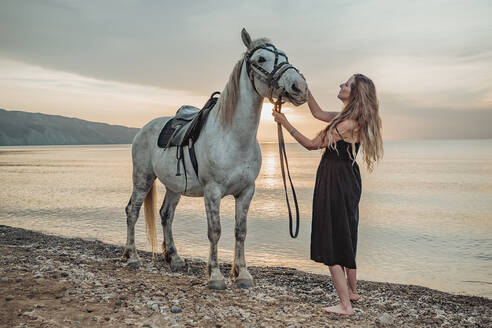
{"x":318,"y":112}
{"x":346,"y":129}
{"x":309,"y":144}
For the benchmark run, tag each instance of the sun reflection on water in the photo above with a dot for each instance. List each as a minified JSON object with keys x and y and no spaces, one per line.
{"x":270,"y":169}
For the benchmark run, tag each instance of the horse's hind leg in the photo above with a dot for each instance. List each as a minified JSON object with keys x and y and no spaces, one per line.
{"x":239,"y":271}
{"x":142,"y":184}
{"x":167,"y":215}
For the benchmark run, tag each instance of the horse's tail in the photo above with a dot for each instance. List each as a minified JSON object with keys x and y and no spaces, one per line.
{"x":150,"y":221}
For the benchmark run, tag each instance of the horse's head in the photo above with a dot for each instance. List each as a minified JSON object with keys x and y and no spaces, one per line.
{"x":270,"y":72}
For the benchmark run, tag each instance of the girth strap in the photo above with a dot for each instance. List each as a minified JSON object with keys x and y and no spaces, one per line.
{"x":191,"y":151}
{"x":194,"y":137}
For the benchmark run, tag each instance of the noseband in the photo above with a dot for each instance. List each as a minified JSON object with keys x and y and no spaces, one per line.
{"x":270,"y":78}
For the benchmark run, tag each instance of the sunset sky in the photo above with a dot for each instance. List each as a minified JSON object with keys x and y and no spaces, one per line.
{"x":126,"y":62}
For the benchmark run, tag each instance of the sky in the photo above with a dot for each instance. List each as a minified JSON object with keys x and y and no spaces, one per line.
{"x":128,"y":61}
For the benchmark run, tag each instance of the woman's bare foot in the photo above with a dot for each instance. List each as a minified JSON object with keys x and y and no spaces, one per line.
{"x":354,"y":297}
{"x":340,"y":309}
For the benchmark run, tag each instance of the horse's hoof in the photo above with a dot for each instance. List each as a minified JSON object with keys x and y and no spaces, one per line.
{"x":177,"y":265}
{"x":134,"y":265}
{"x":244,"y":283}
{"x":216,"y":284}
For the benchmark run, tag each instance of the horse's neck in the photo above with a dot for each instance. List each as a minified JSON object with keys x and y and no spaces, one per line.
{"x":247,"y":114}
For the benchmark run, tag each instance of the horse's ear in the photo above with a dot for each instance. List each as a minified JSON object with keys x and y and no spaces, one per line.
{"x":246,"y":38}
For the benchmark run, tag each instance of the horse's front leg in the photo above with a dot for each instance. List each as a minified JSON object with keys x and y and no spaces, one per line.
{"x":239,"y":271}
{"x":212,"y":206}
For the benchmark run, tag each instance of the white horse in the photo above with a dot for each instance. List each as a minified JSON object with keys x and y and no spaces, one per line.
{"x":228,"y":156}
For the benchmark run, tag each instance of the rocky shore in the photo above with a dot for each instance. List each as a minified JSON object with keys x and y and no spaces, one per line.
{"x":50,"y":281}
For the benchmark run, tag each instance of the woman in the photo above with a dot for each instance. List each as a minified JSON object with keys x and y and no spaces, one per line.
{"x":338,"y":184}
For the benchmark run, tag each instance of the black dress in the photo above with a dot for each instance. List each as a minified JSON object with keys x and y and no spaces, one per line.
{"x":336,"y":207}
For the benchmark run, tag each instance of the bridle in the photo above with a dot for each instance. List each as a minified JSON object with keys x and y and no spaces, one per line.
{"x":271,"y":79}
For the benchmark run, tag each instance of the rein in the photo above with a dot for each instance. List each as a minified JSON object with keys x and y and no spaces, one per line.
{"x":277,"y":106}
{"x":271,"y":79}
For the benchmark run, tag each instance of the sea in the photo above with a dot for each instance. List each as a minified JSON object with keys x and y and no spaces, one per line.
{"x":425,"y":212}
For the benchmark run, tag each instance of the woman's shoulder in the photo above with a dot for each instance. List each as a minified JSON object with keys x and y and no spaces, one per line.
{"x":348,"y":130}
{"x":348,"y":125}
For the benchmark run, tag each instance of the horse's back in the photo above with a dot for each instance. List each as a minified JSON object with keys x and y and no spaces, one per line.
{"x":149,"y":132}
{"x":145,"y":139}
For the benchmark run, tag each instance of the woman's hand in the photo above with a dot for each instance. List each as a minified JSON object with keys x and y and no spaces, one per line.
{"x":279,"y":117}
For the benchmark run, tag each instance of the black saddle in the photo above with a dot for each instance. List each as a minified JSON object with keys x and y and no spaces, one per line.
{"x":184,"y":129}
{"x":178,"y":130}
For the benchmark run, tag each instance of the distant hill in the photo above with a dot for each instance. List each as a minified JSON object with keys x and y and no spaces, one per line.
{"x":23,"y":128}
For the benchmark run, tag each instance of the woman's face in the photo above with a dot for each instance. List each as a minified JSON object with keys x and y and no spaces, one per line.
{"x":345,"y":88}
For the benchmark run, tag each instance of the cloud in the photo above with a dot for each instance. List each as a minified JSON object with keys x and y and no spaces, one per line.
{"x":437,"y":124}
{"x":193,"y":45}
{"x":64,"y":93}
{"x":422,"y":55}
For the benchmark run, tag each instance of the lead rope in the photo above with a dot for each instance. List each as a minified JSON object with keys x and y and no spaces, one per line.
{"x":283,"y":156}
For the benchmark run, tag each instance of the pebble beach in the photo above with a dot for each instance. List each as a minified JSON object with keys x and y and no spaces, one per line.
{"x":51,"y":281}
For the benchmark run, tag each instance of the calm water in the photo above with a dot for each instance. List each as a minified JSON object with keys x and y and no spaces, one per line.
{"x":425,"y":213}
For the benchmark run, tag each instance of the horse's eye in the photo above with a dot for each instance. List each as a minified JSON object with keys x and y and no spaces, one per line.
{"x":261,"y":59}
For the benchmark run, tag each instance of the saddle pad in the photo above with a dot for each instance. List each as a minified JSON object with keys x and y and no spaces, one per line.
{"x":166,"y":134}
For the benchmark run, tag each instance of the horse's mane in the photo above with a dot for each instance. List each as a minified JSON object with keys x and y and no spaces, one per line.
{"x":230,"y":95}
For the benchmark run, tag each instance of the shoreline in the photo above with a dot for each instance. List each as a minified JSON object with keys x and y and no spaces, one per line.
{"x":51,"y":281}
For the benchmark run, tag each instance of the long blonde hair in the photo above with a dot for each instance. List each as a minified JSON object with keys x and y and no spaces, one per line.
{"x":363,"y":108}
